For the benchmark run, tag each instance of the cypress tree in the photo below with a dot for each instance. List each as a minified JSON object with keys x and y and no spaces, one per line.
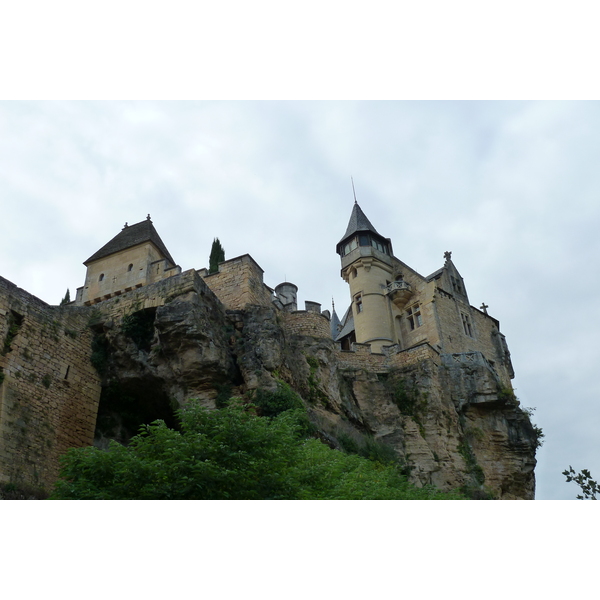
{"x":217,"y":255}
{"x":66,"y":299}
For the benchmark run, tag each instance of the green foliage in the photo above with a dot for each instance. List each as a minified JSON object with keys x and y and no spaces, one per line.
{"x":229,"y":453}
{"x":100,"y":353}
{"x":367,"y":447}
{"x":47,"y":380}
{"x":538,"y":431}
{"x":223,"y":395}
{"x":405,"y":398}
{"x":271,"y":404}
{"x":588,"y":486}
{"x":139,"y":327}
{"x":326,"y":474}
{"x":66,"y":299}
{"x":217,"y":455}
{"x":14,"y":324}
{"x":507,"y":395}
{"x":95,"y":317}
{"x":315,"y":393}
{"x":467,"y":453}
{"x":71,"y":333}
{"x":217,"y":255}
{"x":14,"y":491}
{"x":410,"y":401}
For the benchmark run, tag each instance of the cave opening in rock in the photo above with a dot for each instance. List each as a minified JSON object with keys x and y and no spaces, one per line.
{"x":127,"y":405}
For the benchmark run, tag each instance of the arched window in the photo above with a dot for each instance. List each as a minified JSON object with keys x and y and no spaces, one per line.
{"x":101,"y":277}
{"x":130,"y":267}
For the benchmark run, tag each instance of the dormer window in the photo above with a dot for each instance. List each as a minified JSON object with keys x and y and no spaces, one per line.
{"x":101,"y":277}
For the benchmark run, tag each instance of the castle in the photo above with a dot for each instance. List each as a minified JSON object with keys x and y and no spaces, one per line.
{"x":49,"y":389}
{"x":393,"y":307}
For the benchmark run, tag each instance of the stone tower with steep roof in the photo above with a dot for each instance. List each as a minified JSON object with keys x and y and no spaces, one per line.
{"x":367,"y":266}
{"x":133,"y":258}
{"x":394,"y":306}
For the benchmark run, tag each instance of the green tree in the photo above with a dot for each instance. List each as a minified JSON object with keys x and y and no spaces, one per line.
{"x":229,"y":453}
{"x":588,"y":486}
{"x":66,"y":299}
{"x":217,"y":255}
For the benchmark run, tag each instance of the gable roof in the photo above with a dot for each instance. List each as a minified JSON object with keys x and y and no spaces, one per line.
{"x":132,"y":235}
{"x":358,"y":222}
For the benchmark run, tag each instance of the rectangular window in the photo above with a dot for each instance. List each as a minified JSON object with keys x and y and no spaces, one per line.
{"x":467,"y":325}
{"x":351,"y":245}
{"x":414,"y":316}
{"x":358,"y":301}
{"x":456,"y":285}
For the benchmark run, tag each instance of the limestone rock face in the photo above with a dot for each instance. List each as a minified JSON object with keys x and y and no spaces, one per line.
{"x":157,"y":358}
{"x":449,"y":422}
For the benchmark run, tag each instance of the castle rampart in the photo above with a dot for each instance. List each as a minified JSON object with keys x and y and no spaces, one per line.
{"x":305,"y":322}
{"x":238,"y":282}
{"x":49,"y":390}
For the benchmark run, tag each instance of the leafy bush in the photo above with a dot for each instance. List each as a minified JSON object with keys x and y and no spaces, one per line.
{"x":100,"y":353}
{"x":139,"y":327}
{"x":229,"y":453}
{"x":217,"y":455}
{"x":271,"y":404}
{"x":589,"y":487}
{"x":367,"y":447}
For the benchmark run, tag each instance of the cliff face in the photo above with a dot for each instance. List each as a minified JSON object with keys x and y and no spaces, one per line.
{"x":446,"y":417}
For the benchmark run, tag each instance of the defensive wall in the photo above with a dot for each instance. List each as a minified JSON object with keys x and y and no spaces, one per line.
{"x":49,"y":390}
{"x":238,"y":282}
{"x":305,"y":322}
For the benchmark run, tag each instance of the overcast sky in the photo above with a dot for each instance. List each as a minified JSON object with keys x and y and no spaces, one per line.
{"x":511,"y":188}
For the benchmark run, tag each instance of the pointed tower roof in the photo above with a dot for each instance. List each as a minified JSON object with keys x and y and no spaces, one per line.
{"x":336,"y":326}
{"x":358,"y":222}
{"x":132,"y":235}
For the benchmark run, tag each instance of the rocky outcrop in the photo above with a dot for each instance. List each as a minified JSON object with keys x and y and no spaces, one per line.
{"x":447,"y":420}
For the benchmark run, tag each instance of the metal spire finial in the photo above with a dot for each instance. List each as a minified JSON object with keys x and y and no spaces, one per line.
{"x":353,"y":190}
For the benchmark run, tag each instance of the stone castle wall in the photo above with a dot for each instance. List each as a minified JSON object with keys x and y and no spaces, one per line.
{"x":303,"y":322}
{"x":485,"y":336}
{"x":150,"y":296}
{"x":361,"y":357}
{"x":238,"y":282}
{"x":49,"y":390}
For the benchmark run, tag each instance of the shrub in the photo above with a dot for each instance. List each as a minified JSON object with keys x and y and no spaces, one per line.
{"x":271,"y":404}
{"x":139,"y":327}
{"x":229,"y":454}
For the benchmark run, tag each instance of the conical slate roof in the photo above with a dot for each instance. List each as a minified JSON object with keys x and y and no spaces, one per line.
{"x":358,"y":222}
{"x":132,"y":235}
{"x":335,"y":324}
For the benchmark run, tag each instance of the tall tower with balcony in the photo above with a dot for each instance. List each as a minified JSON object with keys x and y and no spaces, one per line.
{"x":368,"y":268}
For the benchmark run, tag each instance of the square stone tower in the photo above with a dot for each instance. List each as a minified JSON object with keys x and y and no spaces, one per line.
{"x":133,"y":258}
